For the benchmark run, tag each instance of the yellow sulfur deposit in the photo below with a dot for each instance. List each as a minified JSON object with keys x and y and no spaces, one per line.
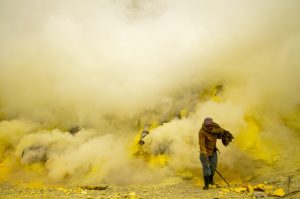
{"x":138,"y":150}
{"x":7,"y":166}
{"x":225,"y":190}
{"x":250,"y":189}
{"x":268,"y":187}
{"x":250,"y":140}
{"x":159,"y":160}
{"x":153,"y":124}
{"x":239,"y":189}
{"x":183,"y":113}
{"x":278,"y":192}
{"x":213,"y":93}
{"x":36,"y":167}
{"x":35,"y":185}
{"x":259,"y":187}
{"x":132,"y":195}
{"x":292,"y":120}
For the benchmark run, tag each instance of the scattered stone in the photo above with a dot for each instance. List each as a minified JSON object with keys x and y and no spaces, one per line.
{"x":73,"y":130}
{"x":259,"y":187}
{"x":250,"y":188}
{"x":90,"y":187}
{"x":278,"y":192}
{"x":257,"y":191}
{"x":213,"y":186}
{"x":269,"y":187}
{"x":132,"y":195}
{"x":259,"y":194}
{"x":239,"y":189}
{"x":225,"y":190}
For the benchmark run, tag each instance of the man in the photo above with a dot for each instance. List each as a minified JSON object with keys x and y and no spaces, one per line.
{"x":208,"y":135}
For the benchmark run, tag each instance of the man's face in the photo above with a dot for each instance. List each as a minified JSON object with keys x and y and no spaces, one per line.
{"x":209,"y":126}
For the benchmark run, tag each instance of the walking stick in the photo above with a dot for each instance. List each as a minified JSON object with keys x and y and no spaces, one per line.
{"x":206,"y":159}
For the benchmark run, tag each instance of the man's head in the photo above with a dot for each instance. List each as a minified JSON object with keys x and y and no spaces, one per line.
{"x":208,"y":122}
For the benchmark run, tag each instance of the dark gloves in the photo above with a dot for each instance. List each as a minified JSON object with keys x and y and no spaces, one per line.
{"x":227,"y":138}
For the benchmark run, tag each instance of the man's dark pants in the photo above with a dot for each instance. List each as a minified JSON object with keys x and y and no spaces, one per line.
{"x":207,"y":168}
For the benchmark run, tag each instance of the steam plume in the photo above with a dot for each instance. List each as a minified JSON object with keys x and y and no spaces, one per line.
{"x":111,"y":67}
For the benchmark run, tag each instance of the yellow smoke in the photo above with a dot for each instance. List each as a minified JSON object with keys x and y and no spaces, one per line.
{"x":251,"y":141}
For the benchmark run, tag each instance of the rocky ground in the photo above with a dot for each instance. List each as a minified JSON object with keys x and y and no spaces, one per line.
{"x":285,"y":186}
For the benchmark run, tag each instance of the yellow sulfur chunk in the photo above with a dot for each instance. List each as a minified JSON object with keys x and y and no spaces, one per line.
{"x":268,"y":187}
{"x":259,"y":187}
{"x":239,"y":189}
{"x":225,"y":190}
{"x":250,"y":188}
{"x":132,"y":195}
{"x":278,"y":192}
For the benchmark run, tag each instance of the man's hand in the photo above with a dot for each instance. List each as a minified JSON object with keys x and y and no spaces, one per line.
{"x":227,"y":138}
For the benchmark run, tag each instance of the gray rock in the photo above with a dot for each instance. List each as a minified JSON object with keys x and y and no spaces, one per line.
{"x":35,"y":153}
{"x":258,"y":194}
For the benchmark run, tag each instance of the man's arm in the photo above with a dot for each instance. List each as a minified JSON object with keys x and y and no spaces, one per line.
{"x":223,"y":134}
{"x":219,"y":131}
{"x":202,"y":143}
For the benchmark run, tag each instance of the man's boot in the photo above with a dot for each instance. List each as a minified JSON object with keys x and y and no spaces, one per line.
{"x":206,"y":182}
{"x":211,"y":180}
